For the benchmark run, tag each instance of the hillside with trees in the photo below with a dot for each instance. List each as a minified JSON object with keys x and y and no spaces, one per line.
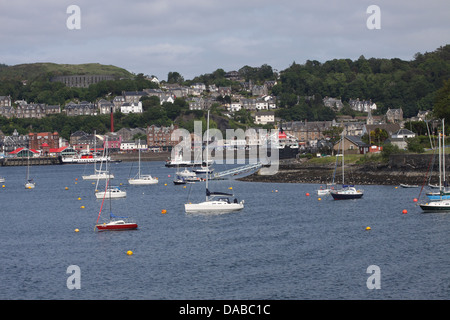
{"x":390,"y":83}
{"x":420,"y":84}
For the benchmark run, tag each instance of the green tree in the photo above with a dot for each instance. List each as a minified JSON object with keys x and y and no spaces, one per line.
{"x":441,"y":108}
{"x":414,"y":145}
{"x":174,"y":77}
{"x":378,"y":136}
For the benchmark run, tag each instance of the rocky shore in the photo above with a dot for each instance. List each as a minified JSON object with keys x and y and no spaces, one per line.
{"x":401,"y":169}
{"x":145,"y":156}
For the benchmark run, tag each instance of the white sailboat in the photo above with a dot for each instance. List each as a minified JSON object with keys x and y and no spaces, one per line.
{"x":329,"y":186}
{"x":30,"y":184}
{"x":144,"y":179}
{"x":440,"y":201}
{"x":216,"y":202}
{"x":115,"y":223}
{"x":99,"y":173}
{"x":111,"y":192}
{"x":347,"y":191}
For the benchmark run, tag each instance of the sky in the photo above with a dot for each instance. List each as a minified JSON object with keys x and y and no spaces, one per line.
{"x":195,"y":37}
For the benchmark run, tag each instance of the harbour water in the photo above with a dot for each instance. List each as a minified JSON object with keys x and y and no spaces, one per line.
{"x":284,"y":245}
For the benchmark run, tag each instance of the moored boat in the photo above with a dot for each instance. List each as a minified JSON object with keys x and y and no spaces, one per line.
{"x":117,"y":224}
{"x":346,"y":193}
{"x":436,"y":206}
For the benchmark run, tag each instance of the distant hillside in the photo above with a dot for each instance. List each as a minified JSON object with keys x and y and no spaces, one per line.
{"x":41,"y":71}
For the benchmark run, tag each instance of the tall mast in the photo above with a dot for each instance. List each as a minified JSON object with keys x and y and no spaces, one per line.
{"x":139,"y":151}
{"x":343,"y":146}
{"x":440,"y":162}
{"x":207,"y":151}
{"x":443,"y":154}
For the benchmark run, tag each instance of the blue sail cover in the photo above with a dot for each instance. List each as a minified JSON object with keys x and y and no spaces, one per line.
{"x":209,"y":193}
{"x":112,"y":216}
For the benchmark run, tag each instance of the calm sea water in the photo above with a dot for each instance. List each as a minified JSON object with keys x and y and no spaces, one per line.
{"x":284,"y":245}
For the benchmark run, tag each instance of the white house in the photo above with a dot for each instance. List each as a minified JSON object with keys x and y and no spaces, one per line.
{"x":400,"y":138}
{"x":132,"y":107}
{"x":167,"y":98}
{"x":235,"y":106}
{"x":133,"y":145}
{"x":261,"y":104}
{"x":403,"y":134}
{"x":265,"y":117}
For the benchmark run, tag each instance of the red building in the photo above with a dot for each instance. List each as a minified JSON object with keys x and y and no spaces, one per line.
{"x":43,"y":141}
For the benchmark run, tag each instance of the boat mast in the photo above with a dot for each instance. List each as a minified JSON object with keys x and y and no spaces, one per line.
{"x":343,"y":161}
{"x":139,"y":150}
{"x":443,"y":154}
{"x":207,"y":151}
{"x":440,"y":162}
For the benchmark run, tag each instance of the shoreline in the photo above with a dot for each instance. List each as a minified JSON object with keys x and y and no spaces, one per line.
{"x":401,"y":169}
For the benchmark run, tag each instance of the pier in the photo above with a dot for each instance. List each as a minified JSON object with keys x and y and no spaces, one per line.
{"x":38,"y":161}
{"x":236,"y":171}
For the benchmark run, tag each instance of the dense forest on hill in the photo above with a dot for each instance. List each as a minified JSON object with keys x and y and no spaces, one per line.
{"x":390,"y":83}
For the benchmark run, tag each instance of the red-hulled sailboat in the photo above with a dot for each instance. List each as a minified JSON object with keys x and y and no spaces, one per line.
{"x":115,"y":223}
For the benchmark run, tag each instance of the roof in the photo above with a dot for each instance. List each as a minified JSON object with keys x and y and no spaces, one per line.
{"x":356,"y":140}
{"x":22,"y":149}
{"x":404,"y":131}
{"x":58,"y":150}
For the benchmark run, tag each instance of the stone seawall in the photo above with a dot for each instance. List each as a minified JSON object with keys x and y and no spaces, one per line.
{"x":407,"y":169}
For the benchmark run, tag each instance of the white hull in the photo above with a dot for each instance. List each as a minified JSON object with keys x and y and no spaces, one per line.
{"x":434,"y":206}
{"x":213,"y":206}
{"x":143,"y":180}
{"x":112,"y":193}
{"x":186,"y":173}
{"x":85,"y":160}
{"x":29,"y":185}
{"x":98,"y":176}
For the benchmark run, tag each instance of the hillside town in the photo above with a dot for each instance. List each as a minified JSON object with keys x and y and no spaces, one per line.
{"x":307,"y":135}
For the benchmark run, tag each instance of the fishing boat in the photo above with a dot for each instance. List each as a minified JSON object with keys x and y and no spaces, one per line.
{"x":346,"y":192}
{"x":215,"y":202}
{"x":144,"y":179}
